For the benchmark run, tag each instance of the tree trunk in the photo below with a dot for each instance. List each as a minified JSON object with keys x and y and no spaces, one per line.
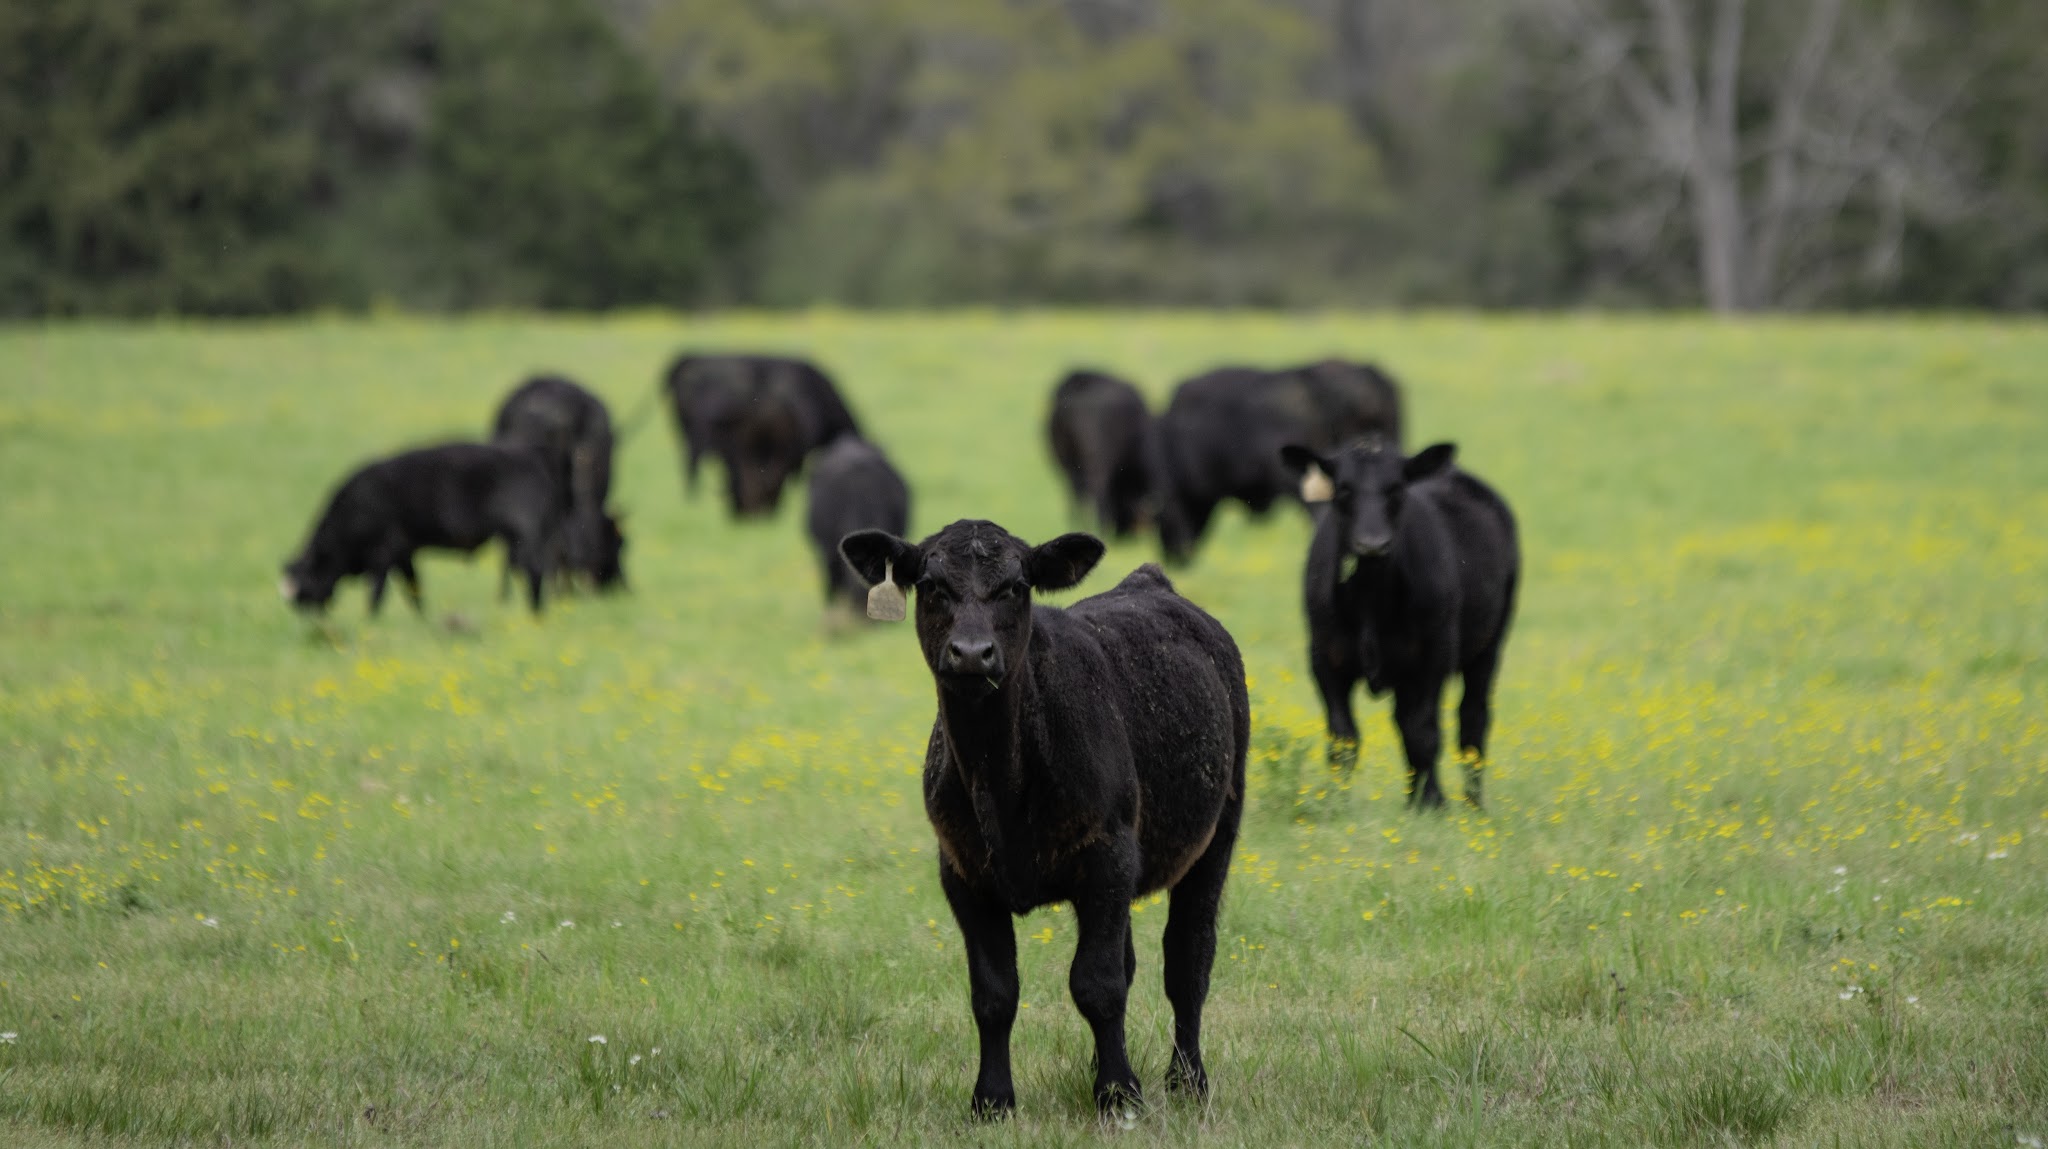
{"x":1713,"y":170}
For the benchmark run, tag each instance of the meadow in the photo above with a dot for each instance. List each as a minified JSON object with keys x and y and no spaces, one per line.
{"x":1763,"y":858}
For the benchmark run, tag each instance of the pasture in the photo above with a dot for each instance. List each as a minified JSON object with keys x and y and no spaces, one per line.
{"x":1762,"y":862}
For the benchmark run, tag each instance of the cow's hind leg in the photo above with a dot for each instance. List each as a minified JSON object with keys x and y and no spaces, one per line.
{"x":1190,"y":951}
{"x":411,"y":579}
{"x":378,"y":576}
{"x":1475,"y":716}
{"x":1418,"y":713}
{"x":1098,"y":980}
{"x":991,"y":944}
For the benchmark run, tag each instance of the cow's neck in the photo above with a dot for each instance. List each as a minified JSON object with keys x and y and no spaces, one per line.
{"x":1377,"y":591}
{"x":986,"y":737}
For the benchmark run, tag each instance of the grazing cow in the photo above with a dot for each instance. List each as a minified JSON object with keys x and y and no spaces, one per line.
{"x":760,"y":415}
{"x":1088,"y":755}
{"x":458,"y":496}
{"x":852,"y":488}
{"x":1356,"y":399}
{"x":1101,"y":437}
{"x":1411,"y":576}
{"x":1221,"y":435}
{"x":572,"y":431}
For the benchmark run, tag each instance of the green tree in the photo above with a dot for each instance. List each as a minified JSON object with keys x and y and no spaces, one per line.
{"x":565,"y":177}
{"x":148,"y":161}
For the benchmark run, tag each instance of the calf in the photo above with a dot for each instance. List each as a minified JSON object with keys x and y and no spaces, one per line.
{"x":1101,"y":437}
{"x":1411,"y":575}
{"x":572,"y":431}
{"x":852,"y":488}
{"x":458,"y":496}
{"x":1221,"y":435}
{"x":1088,"y":755}
{"x":761,"y":416}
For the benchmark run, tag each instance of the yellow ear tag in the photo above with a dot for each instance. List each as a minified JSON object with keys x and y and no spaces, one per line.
{"x":1315,"y":486}
{"x":885,"y":598}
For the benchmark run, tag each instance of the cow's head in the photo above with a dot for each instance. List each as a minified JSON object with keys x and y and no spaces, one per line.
{"x":307,"y":585}
{"x":973,"y":582}
{"x":765,"y":447}
{"x":1367,"y":487}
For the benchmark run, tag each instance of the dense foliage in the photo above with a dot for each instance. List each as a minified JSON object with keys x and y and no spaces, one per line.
{"x":234,"y":156}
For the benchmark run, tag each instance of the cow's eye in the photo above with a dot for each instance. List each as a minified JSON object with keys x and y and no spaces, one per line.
{"x":1015,"y":589}
{"x":1345,"y":493}
{"x":932,"y":591}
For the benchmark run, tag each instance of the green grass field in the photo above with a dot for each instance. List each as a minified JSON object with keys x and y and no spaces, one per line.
{"x":1763,"y":860}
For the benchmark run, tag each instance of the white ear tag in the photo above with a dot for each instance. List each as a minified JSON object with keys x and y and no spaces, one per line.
{"x":885,"y":598}
{"x":1315,"y":486}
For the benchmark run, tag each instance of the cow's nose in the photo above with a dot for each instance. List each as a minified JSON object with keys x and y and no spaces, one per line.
{"x":1368,"y":545}
{"x":971,"y":657}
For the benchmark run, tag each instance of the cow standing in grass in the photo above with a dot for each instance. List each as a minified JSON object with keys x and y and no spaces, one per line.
{"x":572,"y":431}
{"x":1411,"y":577}
{"x":1101,"y":437}
{"x":853,"y":487}
{"x":1220,"y":437}
{"x":760,"y":415}
{"x":458,"y":496}
{"x":1088,"y":755}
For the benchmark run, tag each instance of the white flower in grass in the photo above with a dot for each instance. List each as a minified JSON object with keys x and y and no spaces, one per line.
{"x":508,"y":917}
{"x":565,"y":924}
{"x":633,"y":1060}
{"x":616,"y":923}
{"x":9,"y":1038}
{"x":598,"y":1039}
{"x":1995,"y":855}
{"x":1912,"y":999}
{"x":2029,"y":1140}
{"x":655,"y":1050}
{"x":1840,"y":870}
{"x":210,"y":923}
{"x":1852,"y":991}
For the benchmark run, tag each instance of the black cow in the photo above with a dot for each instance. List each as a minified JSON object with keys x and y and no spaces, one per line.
{"x":852,"y":488}
{"x":1101,"y":437}
{"x":1221,"y":435}
{"x":1088,"y":755}
{"x":457,"y":497}
{"x":572,"y":431}
{"x":1411,"y":576}
{"x":760,"y":415}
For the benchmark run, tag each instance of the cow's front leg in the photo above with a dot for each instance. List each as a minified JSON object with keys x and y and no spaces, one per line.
{"x":1418,"y":713}
{"x":1098,"y":980}
{"x":991,"y":944}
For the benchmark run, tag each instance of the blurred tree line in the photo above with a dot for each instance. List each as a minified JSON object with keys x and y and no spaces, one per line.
{"x":252,"y":156}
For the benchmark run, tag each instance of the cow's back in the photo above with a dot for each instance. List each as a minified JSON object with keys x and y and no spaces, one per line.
{"x":1176,"y":681}
{"x":853,"y":487}
{"x":1480,"y":533}
{"x":460,"y":495}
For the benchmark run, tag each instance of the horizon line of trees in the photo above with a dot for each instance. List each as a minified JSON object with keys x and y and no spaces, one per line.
{"x":266,"y":156}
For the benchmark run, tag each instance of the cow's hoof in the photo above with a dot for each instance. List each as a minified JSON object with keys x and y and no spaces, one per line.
{"x":1342,"y":754}
{"x":1191,"y":1080}
{"x":1119,"y":1100}
{"x":995,"y":1106}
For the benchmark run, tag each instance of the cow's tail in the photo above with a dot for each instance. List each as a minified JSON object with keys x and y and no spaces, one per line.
{"x":639,"y":416}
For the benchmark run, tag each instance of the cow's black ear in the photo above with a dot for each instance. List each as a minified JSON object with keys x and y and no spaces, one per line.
{"x":1428,"y":461}
{"x":875,"y":554}
{"x":1299,"y":459}
{"x":1062,"y":562}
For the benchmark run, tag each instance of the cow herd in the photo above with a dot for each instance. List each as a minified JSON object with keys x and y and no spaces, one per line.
{"x":1089,"y":754}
